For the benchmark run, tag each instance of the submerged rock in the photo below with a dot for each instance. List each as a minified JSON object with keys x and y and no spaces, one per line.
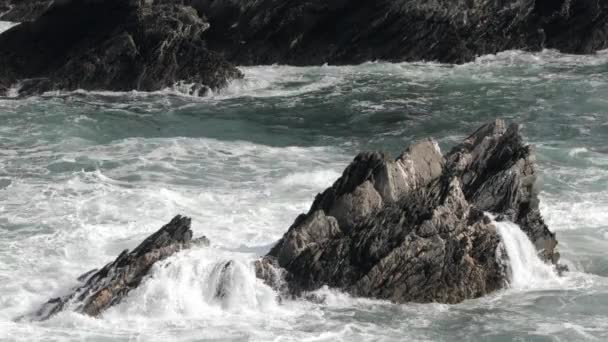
{"x":103,"y":288}
{"x":118,"y":45}
{"x":314,"y":32}
{"x":414,"y":228}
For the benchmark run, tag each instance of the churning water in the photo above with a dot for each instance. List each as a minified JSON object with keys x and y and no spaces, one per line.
{"x":525,"y":269}
{"x":84,"y":175}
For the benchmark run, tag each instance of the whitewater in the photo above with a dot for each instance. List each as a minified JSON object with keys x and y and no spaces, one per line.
{"x":84,"y":175}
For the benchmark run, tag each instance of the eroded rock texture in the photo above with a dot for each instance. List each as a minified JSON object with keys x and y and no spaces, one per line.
{"x":313,"y":32}
{"x":116,"y":45}
{"x":103,"y":288}
{"x":414,"y":228}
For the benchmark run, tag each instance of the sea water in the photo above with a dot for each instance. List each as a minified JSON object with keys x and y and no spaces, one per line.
{"x":84,"y":175}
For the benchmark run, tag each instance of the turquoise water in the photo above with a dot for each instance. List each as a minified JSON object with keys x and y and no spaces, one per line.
{"x":84,"y":175}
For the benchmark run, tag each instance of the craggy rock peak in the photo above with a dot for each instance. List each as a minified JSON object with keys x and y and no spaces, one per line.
{"x":102,"y":288}
{"x":22,"y":10}
{"x":414,"y":228}
{"x":313,"y":32}
{"x":111,"y":44}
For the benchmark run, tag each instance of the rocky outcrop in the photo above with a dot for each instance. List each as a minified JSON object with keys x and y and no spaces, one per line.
{"x":152,"y":44}
{"x":113,"y":45}
{"x":22,"y":10}
{"x":414,"y":228}
{"x":314,"y":32}
{"x":103,"y":288}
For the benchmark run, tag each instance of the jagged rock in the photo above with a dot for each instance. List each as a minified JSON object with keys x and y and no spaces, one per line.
{"x":103,"y":288}
{"x":414,"y":228}
{"x":152,"y":44}
{"x":22,"y":10}
{"x":314,"y":32}
{"x":112,"y":45}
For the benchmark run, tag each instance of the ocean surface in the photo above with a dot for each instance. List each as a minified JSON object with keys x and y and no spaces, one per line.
{"x":84,"y":175}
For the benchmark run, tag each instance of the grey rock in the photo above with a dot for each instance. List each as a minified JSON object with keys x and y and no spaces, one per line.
{"x":413,"y":229}
{"x":103,"y":288}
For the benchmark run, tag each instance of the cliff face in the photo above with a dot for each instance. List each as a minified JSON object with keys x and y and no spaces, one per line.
{"x":151,"y":44}
{"x":353,"y":31}
{"x":414,"y":228}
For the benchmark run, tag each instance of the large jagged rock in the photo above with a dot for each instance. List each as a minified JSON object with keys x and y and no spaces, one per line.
{"x":414,"y":228}
{"x":314,"y":32}
{"x":116,"y":45}
{"x":103,"y":288}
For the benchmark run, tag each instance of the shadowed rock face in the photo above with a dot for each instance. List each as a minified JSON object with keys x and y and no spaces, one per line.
{"x":151,"y":44}
{"x":103,"y":288}
{"x":413,"y":228}
{"x":313,"y":32}
{"x":22,"y":10}
{"x":111,"y":44}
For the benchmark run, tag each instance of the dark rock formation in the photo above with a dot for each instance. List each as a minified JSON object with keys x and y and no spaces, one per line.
{"x":102,"y":288}
{"x":111,"y":44}
{"x":313,"y":32}
{"x":22,"y":10}
{"x":151,"y":44}
{"x":413,"y":228}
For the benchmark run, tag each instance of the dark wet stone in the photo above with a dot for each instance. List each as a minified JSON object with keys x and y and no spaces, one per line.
{"x":413,"y":229}
{"x":117,"y":45}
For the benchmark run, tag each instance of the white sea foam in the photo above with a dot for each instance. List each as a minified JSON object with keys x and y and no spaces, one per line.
{"x":5,"y":25}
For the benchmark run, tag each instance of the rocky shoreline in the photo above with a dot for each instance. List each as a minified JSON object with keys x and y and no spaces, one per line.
{"x":154,"y":44}
{"x":118,"y":45}
{"x":410,"y":229}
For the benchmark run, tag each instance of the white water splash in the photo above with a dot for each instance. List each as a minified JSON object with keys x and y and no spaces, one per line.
{"x":5,"y":25}
{"x":526,"y":269}
{"x":200,"y":283}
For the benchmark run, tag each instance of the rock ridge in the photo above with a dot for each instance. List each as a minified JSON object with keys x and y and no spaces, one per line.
{"x":413,"y":229}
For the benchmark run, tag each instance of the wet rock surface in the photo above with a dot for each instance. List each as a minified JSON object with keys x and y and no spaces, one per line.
{"x":103,"y":288}
{"x":152,"y":44}
{"x":314,"y":32}
{"x":413,"y":229}
{"x":118,"y":45}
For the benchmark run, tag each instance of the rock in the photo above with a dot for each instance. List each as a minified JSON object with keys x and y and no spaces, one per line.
{"x":413,"y":229}
{"x":314,"y":32}
{"x":154,"y":44}
{"x":22,"y":10}
{"x":115,"y":45}
{"x":103,"y":288}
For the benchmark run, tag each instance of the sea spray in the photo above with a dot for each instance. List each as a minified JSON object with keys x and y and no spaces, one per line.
{"x":199,"y":283}
{"x":526,"y":270}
